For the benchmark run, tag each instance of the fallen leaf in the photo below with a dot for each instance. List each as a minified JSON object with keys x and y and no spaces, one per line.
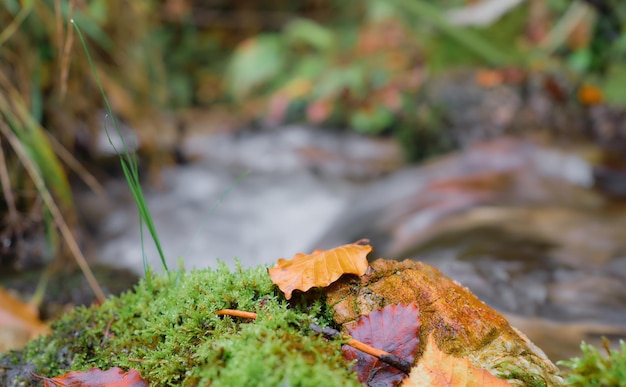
{"x":590,"y":95}
{"x":393,"y":329}
{"x":19,"y":322}
{"x":95,"y":377}
{"x":489,"y":78}
{"x":436,"y":368}
{"x":318,"y":111}
{"x":320,"y":268}
{"x":554,"y":89}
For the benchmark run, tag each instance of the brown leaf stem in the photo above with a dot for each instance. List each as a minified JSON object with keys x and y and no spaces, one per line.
{"x":236,"y":313}
{"x":383,"y":356}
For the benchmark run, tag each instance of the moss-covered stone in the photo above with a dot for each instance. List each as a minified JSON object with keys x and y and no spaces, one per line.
{"x":462,"y":325}
{"x":167,"y":329}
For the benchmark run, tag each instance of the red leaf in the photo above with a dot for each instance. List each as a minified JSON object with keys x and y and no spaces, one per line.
{"x":393,"y":329}
{"x":95,"y":377}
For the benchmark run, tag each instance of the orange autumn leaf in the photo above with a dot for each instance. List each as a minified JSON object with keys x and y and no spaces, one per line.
{"x":19,"y":322}
{"x":590,"y":95}
{"x":95,"y":377}
{"x":438,"y":369}
{"x":489,"y":78}
{"x":320,"y":268}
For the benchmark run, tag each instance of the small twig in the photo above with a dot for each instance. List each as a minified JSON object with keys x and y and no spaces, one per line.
{"x":107,"y":332}
{"x":5,"y":182}
{"x":236,"y":313}
{"x":65,"y":53}
{"x":389,"y":358}
{"x":45,"y":379}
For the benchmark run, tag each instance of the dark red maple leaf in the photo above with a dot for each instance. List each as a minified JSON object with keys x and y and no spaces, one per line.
{"x":393,"y":329}
{"x":95,"y":377}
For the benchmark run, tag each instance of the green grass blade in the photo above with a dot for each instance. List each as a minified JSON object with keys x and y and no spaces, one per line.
{"x":144,"y":212}
{"x":128,"y":161}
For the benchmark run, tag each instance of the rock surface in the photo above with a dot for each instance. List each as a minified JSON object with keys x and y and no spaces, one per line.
{"x":517,"y":223}
{"x":461,"y":324}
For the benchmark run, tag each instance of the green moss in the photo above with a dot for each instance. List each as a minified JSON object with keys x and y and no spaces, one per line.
{"x":170,"y":333}
{"x":593,"y":369}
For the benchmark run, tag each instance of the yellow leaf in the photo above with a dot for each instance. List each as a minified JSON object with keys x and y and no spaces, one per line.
{"x":438,"y":369}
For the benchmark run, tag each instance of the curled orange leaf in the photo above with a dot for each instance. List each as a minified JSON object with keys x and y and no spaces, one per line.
{"x":320,"y":268}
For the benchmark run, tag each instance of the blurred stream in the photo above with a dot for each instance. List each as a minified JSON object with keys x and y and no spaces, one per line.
{"x":517,"y":223}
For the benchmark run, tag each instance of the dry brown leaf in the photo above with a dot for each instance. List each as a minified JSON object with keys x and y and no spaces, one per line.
{"x":320,"y":268}
{"x":438,"y":369}
{"x":19,"y":322}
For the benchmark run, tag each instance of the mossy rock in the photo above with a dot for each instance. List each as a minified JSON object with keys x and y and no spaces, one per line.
{"x":167,"y":329}
{"x":461,"y":324}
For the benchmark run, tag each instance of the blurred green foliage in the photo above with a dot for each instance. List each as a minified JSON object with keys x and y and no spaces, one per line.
{"x":370,"y":75}
{"x":358,"y":65}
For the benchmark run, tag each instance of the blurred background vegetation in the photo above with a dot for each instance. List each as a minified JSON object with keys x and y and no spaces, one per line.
{"x":364,"y":65}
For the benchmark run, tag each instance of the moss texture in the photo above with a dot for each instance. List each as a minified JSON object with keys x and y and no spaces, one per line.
{"x":167,"y":329}
{"x":593,"y":369}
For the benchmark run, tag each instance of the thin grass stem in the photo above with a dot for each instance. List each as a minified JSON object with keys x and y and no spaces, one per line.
{"x":128,"y":161}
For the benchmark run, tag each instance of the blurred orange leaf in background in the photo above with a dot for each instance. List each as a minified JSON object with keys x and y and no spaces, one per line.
{"x":19,"y":322}
{"x":590,"y":95}
{"x":437,"y":369}
{"x":320,"y":268}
